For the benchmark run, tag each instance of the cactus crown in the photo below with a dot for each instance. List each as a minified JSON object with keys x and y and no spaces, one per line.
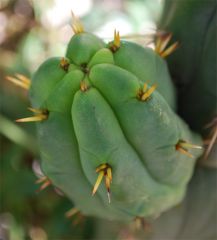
{"x":106,"y":112}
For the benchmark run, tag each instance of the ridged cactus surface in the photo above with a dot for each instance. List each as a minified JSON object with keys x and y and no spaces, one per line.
{"x":193,"y":65}
{"x":107,"y":113}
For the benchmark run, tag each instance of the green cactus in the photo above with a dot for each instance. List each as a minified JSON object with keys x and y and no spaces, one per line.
{"x":194,"y":79}
{"x":107,"y":111}
{"x":193,"y":65}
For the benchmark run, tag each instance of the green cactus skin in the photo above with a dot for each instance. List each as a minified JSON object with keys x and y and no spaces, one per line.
{"x":89,"y":44}
{"x":193,"y":65}
{"x":45,"y":79}
{"x":148,"y":67}
{"x":97,"y":115}
{"x":120,"y":87}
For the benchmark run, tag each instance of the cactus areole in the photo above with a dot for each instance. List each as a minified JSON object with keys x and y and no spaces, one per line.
{"x":108,"y":134}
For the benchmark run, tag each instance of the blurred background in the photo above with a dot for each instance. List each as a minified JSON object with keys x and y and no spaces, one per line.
{"x":30,"y":32}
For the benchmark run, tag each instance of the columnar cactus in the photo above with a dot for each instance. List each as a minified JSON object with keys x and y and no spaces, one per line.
{"x":106,"y":111}
{"x":193,"y":65}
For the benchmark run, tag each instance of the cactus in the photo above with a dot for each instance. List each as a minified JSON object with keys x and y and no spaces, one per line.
{"x":195,"y":81}
{"x":106,"y":111}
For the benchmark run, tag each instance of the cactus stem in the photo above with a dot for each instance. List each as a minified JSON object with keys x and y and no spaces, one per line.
{"x":113,"y":46}
{"x":83,"y":86}
{"x":76,"y":24}
{"x":145,"y":93}
{"x":183,"y":146}
{"x":45,"y":183}
{"x":64,"y":64}
{"x":20,"y":80}
{"x":161,"y":44}
{"x":106,"y":171}
{"x":40,"y":115}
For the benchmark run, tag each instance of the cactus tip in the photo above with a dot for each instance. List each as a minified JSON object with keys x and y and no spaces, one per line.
{"x":20,"y":80}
